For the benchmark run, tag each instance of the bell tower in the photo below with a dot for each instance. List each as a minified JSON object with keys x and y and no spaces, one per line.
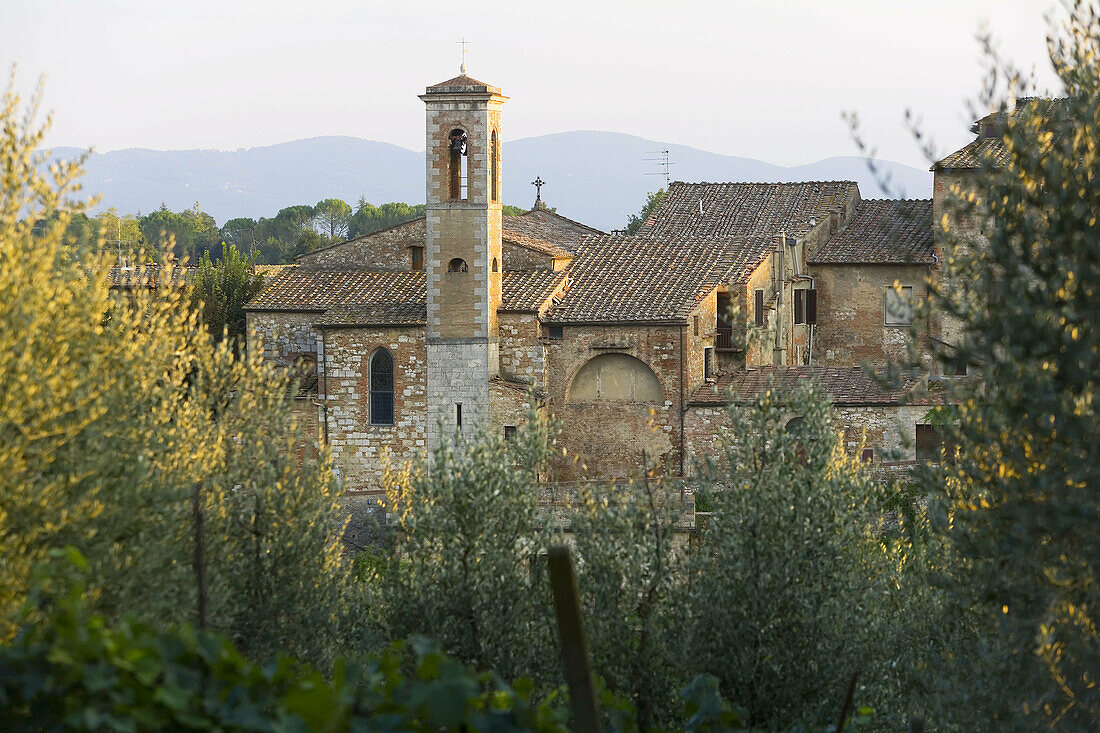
{"x":462,"y":252}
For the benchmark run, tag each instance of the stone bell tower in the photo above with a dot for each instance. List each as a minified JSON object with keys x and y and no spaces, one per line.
{"x":462,"y":252}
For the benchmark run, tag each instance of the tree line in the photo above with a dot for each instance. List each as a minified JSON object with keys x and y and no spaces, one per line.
{"x":193,"y":233}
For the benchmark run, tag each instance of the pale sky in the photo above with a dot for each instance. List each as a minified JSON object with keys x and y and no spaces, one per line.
{"x":756,"y":78}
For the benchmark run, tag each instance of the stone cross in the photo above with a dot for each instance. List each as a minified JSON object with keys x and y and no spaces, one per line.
{"x":538,"y":183}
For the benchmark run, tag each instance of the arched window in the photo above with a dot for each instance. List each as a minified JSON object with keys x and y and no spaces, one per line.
{"x":381,"y":388}
{"x":456,"y":168}
{"x":495,"y":167}
{"x":457,"y":265}
{"x":615,"y":378}
{"x":496,"y":265}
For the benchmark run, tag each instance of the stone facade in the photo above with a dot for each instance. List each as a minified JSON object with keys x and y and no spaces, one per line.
{"x":389,"y":249}
{"x":851,"y":327}
{"x":361,"y":450}
{"x":606,"y":435}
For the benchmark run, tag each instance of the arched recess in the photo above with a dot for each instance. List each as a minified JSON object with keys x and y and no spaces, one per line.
{"x":615,"y":378}
{"x":457,"y":265}
{"x":381,"y":387}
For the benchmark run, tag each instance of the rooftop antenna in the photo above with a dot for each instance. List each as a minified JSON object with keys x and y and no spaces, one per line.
{"x":662,"y":162}
{"x":462,"y":67}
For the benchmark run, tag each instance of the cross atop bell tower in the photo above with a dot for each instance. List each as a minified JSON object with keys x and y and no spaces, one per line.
{"x":462,"y":251}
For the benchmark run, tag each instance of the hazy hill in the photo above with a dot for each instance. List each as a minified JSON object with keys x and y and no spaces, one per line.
{"x":595,"y":177}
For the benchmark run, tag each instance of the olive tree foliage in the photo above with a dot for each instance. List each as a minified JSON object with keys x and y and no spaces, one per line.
{"x":469,"y":531}
{"x":630,"y":548}
{"x":123,"y":427}
{"x":1022,"y":510}
{"x":788,"y":591}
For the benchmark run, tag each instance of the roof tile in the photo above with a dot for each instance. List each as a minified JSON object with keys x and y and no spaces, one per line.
{"x":882,"y":232}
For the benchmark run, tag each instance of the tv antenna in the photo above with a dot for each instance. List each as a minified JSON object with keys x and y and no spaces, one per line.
{"x":661,"y":160}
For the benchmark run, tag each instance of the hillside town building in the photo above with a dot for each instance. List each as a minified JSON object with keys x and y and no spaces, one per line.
{"x":443,"y":326}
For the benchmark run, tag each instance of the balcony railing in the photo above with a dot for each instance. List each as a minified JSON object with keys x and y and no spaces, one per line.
{"x":724,"y":338}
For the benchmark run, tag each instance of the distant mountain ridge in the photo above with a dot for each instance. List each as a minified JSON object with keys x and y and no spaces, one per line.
{"x":598,"y":178}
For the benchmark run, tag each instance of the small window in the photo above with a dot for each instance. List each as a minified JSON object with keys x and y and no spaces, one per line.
{"x":928,"y":443}
{"x":805,"y":306}
{"x":509,"y":432}
{"x":556,"y":333}
{"x":898,"y":305}
{"x":417,"y":258}
{"x":496,"y":265}
{"x":759,"y":307}
{"x":708,"y":362}
{"x":381,"y":388}
{"x":457,"y":265}
{"x":958,"y":369}
{"x":458,"y":416}
{"x":868,"y":455}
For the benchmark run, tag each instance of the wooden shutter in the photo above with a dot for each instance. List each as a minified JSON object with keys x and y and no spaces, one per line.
{"x":759,"y":307}
{"x":799,"y":306}
{"x":811,"y":306}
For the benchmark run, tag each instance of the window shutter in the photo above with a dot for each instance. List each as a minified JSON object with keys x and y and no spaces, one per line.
{"x":759,"y":307}
{"x":811,"y":306}
{"x":799,"y":306}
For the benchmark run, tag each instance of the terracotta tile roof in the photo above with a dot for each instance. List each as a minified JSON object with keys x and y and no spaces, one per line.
{"x":846,"y":385}
{"x":374,"y":297}
{"x":147,"y":275}
{"x":538,"y":245}
{"x":269,"y":270}
{"x":980,"y":152}
{"x":989,"y":147}
{"x":624,"y":279}
{"x":298,"y":289}
{"x":525,"y":291}
{"x":548,"y":226}
{"x":746,"y":209}
{"x":882,"y":232}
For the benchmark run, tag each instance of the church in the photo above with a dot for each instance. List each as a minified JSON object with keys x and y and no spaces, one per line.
{"x":442,"y":327}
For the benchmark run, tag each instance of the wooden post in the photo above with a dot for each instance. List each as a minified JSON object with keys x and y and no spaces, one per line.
{"x":574,"y":642}
{"x":847,"y":703}
{"x":199,"y":567}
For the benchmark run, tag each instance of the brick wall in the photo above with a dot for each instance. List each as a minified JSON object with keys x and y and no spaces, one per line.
{"x":360,"y":450}
{"x":606,"y":439}
{"x":850,"y":313}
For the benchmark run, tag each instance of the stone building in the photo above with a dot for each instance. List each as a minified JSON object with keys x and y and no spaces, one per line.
{"x":632,"y":343}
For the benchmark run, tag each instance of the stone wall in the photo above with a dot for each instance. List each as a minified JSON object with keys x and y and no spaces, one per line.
{"x":889,"y":430}
{"x":851,"y":325}
{"x":698,"y":342}
{"x":522,"y":353}
{"x":603,"y":438}
{"x":362,"y":451}
{"x":458,"y":374}
{"x":516,"y":257}
{"x":384,"y":250}
{"x":283,"y":338}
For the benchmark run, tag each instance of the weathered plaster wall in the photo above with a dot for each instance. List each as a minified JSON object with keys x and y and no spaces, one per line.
{"x":850,"y":313}
{"x":607,"y":438}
